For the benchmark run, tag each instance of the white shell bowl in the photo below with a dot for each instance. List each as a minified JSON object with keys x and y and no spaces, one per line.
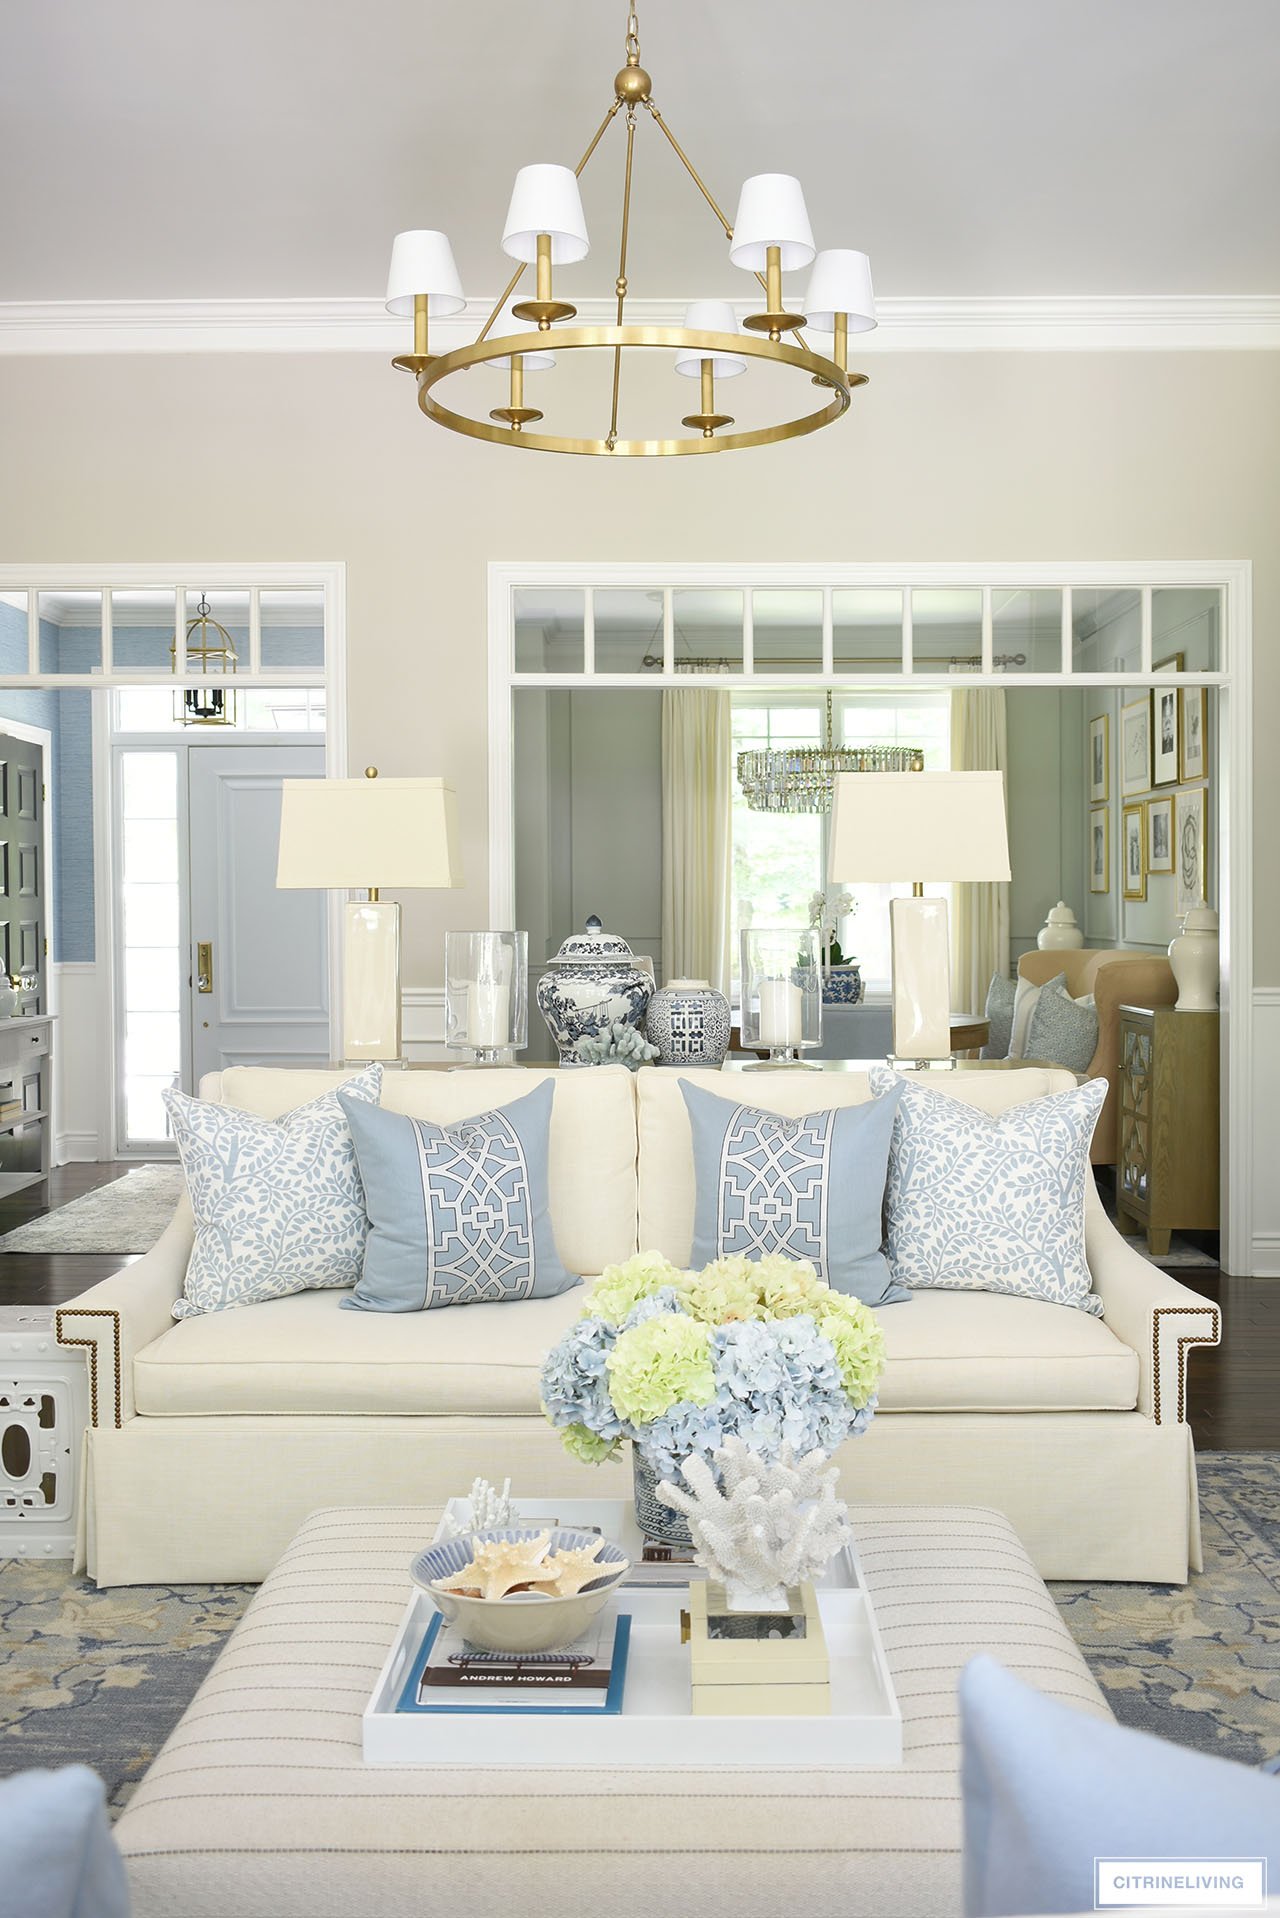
{"x":526,"y":1621}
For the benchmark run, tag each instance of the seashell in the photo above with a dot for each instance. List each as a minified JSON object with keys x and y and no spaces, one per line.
{"x":498,"y":1566}
{"x":572,"y":1569}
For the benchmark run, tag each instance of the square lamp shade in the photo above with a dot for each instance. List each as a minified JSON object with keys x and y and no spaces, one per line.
{"x":929,"y":828}
{"x":370,"y":832}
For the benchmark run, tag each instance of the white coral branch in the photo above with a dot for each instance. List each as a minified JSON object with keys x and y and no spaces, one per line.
{"x":771,"y":1526}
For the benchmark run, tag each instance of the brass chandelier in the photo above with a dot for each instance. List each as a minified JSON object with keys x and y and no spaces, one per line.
{"x":545,"y":228}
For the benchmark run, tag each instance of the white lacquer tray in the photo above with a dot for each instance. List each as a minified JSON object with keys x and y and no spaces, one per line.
{"x":655,"y":1727}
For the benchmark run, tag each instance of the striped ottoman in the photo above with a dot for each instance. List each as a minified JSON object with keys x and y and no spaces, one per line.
{"x":259,"y":1805}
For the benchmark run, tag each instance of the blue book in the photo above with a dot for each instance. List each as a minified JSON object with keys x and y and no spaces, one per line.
{"x":544,"y":1682}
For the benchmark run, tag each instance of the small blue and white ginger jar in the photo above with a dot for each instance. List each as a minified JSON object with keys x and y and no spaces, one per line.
{"x":688,"y":1021}
{"x":842,"y":985}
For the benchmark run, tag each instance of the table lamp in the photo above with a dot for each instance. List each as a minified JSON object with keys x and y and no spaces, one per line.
{"x":929,"y":828}
{"x":370,"y":832}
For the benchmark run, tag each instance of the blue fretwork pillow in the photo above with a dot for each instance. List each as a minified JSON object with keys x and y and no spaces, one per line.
{"x":457,"y":1213}
{"x":810,"y":1187}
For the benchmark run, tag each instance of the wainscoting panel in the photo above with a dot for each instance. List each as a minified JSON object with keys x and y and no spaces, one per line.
{"x":1265,"y":1262}
{"x":81,"y":1042}
{"x":422,"y":1024}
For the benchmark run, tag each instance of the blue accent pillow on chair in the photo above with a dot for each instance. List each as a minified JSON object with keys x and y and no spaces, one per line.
{"x":458,"y":1213}
{"x":809,"y":1187}
{"x":1047,"y":1790}
{"x":58,"y":1858}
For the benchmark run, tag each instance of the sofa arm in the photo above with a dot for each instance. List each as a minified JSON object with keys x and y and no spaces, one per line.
{"x":1150,"y":1312}
{"x":116,"y":1318}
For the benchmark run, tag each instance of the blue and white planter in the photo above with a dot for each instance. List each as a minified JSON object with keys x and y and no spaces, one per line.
{"x":842,"y":985}
{"x":688,"y":1021}
{"x":593,"y":981}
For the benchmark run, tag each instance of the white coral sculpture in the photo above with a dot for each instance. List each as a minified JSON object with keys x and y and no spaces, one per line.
{"x":490,"y":1510}
{"x":768,"y":1528}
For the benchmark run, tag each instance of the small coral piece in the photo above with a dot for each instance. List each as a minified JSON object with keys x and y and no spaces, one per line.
{"x":770,"y":1527}
{"x":618,"y":1044}
{"x":498,"y":1566}
{"x":491,"y":1511}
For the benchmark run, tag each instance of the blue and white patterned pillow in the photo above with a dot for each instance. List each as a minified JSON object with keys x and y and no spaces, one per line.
{"x":991,"y":1204}
{"x":809,"y":1187}
{"x":278,"y":1203}
{"x":1063,"y":1030}
{"x":458,"y":1213}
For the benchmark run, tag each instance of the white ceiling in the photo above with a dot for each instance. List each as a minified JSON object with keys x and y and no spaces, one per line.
{"x":160,"y":149}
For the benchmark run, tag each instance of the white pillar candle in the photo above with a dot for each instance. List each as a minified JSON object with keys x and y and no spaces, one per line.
{"x":488,"y":1019}
{"x":781,"y":1013}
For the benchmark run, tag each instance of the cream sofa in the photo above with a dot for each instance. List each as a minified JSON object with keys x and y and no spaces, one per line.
{"x":212,"y":1438}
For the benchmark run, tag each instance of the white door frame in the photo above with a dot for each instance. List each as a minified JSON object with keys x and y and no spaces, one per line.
{"x":42,"y":737}
{"x":189,"y":577}
{"x":1234,"y":769}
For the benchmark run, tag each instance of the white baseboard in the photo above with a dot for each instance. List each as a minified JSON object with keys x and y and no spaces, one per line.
{"x":1266,"y":1255}
{"x":77,"y":1148}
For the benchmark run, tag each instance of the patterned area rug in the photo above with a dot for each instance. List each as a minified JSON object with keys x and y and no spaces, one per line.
{"x":103,"y":1677}
{"x":128,"y":1215}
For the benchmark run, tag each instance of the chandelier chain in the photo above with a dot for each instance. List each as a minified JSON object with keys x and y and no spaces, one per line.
{"x":633,"y":38}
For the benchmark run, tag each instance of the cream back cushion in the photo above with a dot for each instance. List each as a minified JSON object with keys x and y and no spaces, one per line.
{"x":593,"y":1135}
{"x":667,"y":1188}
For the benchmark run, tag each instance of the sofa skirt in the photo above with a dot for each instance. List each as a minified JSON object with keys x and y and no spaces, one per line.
{"x":1092,"y":1495}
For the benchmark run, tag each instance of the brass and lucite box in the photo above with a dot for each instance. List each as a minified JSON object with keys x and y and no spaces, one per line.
{"x":757,"y":1664}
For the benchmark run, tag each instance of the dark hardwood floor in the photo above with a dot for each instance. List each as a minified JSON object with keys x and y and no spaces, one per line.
{"x":1234,"y":1391}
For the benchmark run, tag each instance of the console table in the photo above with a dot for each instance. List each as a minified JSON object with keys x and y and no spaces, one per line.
{"x":1167,"y":1157}
{"x":26,"y":1097}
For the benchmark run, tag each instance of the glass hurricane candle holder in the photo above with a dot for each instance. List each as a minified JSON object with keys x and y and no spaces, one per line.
{"x":781,"y":992}
{"x":486,"y":977}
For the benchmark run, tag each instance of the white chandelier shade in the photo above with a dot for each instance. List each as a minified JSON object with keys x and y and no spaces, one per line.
{"x":545,"y":199}
{"x":710,"y":316}
{"x":772,"y":212}
{"x":422,"y":263}
{"x":841,"y":283}
{"x":537,"y":359}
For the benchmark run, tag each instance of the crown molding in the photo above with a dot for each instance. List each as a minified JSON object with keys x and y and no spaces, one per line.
{"x":1174,"y":323}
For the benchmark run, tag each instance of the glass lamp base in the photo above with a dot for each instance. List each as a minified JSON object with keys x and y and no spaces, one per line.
{"x":482,"y":1056}
{"x":784,"y":1056}
{"x":921,"y":1065}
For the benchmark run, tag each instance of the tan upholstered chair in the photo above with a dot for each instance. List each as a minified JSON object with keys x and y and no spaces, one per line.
{"x":1115,"y":979}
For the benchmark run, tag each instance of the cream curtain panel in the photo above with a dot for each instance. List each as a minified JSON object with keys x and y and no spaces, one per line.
{"x":697,"y":835}
{"x":979,"y":911}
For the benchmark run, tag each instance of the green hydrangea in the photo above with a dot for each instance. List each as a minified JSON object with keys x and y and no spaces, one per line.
{"x":663,"y":1361}
{"x":724,"y":1290}
{"x":620,"y":1287}
{"x":855,"y":1333}
{"x":788,"y":1286}
{"x":582,"y":1443}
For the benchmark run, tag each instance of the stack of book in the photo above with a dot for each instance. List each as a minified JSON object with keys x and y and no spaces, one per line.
{"x":452,"y":1675}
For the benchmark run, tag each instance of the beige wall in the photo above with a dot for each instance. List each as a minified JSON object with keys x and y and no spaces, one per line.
{"x":959,"y":456}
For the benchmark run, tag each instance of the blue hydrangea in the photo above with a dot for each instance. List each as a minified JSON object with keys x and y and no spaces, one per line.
{"x":575,"y":1383}
{"x":682,"y":1430}
{"x":778,"y":1383}
{"x":667,"y":1299}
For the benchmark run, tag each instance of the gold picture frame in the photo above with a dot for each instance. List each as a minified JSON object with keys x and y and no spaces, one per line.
{"x":1161,"y":851}
{"x":1133,"y":851}
{"x":1100,"y":759}
{"x":1100,"y":849}
{"x":1193,"y":734}
{"x":1135,"y":746}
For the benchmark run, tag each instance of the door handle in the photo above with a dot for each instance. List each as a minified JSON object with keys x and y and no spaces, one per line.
{"x":204,"y":966}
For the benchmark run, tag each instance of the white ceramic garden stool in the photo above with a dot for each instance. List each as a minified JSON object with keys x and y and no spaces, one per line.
{"x":44,"y":1410}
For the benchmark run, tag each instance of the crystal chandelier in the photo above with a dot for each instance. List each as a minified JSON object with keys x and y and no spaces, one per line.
{"x":802,"y":778}
{"x":545,"y":228}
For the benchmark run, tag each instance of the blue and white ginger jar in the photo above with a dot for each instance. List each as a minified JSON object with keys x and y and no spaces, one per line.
{"x":688,"y":1021}
{"x":593,"y":981}
{"x":842,"y":985}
